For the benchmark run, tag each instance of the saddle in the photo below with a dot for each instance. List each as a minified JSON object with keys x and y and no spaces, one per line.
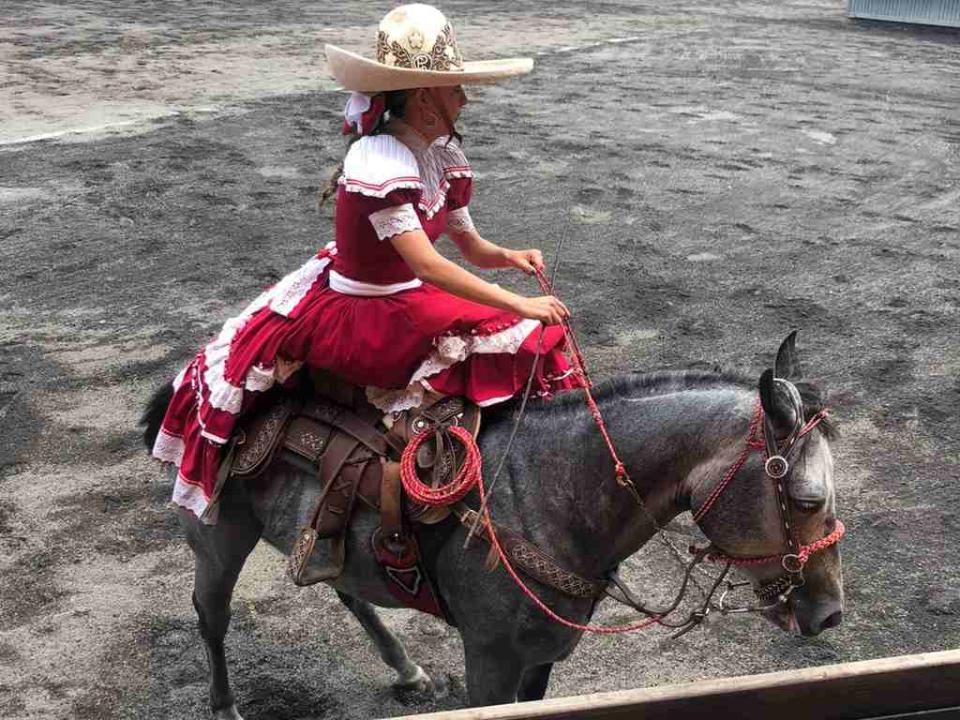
{"x":336,"y":434}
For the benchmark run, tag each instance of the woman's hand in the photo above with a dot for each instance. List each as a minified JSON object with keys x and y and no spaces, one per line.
{"x":547,"y":309}
{"x":526,"y":260}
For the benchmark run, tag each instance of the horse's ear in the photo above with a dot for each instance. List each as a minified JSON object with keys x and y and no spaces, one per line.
{"x":787,"y":365}
{"x":776,"y":404}
{"x":766,"y":392}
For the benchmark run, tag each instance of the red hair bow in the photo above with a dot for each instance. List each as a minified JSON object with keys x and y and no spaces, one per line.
{"x":362,"y":113}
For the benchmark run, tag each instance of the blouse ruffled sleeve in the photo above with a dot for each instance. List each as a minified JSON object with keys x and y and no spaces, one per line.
{"x":458,"y":198}
{"x":382,"y":183}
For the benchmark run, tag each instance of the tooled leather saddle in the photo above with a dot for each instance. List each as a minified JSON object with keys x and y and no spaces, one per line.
{"x":336,"y":434}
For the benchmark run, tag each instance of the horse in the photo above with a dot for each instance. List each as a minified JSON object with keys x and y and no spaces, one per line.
{"x":678,"y":434}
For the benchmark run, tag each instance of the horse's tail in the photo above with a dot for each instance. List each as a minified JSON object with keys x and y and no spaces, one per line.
{"x":154,"y":412}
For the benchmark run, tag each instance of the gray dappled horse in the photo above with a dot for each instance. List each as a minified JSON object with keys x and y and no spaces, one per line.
{"x":677,"y":434}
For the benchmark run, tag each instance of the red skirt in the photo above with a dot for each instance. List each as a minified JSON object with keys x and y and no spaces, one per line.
{"x":396,"y":346}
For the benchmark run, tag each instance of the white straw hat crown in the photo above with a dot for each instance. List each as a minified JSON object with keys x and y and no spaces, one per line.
{"x":418,"y":37}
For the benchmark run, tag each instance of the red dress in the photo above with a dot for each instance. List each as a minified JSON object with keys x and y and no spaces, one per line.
{"x":357,"y":310}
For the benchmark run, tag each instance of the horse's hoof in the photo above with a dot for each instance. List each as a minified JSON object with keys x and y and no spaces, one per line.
{"x":418,"y":686}
{"x":229,"y":713}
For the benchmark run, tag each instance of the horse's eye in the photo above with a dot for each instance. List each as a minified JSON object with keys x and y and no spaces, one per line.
{"x":809,"y":506}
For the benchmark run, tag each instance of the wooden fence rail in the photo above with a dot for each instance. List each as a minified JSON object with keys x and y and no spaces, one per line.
{"x":924,"y":686}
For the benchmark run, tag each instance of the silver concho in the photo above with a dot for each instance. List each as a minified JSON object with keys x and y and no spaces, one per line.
{"x":777,"y":466}
{"x":419,"y":425}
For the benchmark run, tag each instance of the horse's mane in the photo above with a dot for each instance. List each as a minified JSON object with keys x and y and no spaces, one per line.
{"x":660,"y":382}
{"x":651,"y":384}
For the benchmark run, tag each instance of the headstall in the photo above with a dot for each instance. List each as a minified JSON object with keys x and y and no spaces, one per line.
{"x":777,"y":458}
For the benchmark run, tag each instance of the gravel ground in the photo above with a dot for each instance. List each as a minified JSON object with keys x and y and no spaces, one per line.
{"x":720,"y":175}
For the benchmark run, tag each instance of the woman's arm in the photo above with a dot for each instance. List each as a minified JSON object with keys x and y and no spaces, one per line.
{"x":431,"y":267}
{"x":485,"y":254}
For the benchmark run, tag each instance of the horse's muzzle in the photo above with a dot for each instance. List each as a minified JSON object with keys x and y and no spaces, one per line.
{"x":794,"y":617}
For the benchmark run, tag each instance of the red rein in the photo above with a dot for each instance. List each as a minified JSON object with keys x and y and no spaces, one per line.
{"x":470,"y":475}
{"x":580,"y":370}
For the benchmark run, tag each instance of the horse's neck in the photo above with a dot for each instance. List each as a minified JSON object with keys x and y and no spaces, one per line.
{"x":564,"y":489}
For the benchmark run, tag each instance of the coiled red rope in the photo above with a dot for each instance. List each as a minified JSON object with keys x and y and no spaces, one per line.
{"x":468,"y":475}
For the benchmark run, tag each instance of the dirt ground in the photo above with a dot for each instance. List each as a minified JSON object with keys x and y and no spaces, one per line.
{"x":720,"y":173}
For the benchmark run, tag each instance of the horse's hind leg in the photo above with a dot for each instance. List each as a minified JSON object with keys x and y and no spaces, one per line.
{"x":410,"y":676}
{"x":220,"y":552}
{"x":533,"y":684}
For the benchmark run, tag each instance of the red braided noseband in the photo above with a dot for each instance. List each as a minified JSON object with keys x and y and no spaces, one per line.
{"x":803,"y":554}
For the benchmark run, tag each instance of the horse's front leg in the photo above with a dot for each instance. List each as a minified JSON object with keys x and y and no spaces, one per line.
{"x":410,"y":676}
{"x":533,"y":685}
{"x":220,"y":551}
{"x":493,"y":673}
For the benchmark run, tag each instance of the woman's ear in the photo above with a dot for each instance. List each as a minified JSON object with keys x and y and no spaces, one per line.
{"x":423,"y":99}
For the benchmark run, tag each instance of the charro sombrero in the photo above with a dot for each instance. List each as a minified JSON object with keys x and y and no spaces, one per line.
{"x":416,"y":48}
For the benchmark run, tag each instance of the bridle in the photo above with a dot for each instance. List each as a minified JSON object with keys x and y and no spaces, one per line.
{"x":777,"y":456}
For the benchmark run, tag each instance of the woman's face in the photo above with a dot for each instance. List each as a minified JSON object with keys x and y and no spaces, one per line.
{"x":452,"y":99}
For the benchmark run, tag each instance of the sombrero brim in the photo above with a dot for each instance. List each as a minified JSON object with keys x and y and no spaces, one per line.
{"x":357,"y":73}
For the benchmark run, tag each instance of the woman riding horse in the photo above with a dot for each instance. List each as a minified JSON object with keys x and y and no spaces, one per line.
{"x":379,"y":306}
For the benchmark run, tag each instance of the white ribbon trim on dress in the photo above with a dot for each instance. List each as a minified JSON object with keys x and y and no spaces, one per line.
{"x":168,"y":448}
{"x":448,"y":351}
{"x":459,"y":221}
{"x":394,"y":220}
{"x":189,"y":496}
{"x":282,"y":299}
{"x":347,"y":286}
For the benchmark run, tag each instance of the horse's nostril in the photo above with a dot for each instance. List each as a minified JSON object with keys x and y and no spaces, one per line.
{"x":833,"y":620}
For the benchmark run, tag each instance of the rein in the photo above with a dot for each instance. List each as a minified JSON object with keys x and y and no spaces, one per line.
{"x":760,"y":437}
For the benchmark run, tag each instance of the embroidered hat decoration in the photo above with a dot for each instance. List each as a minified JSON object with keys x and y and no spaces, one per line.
{"x":416,"y":47}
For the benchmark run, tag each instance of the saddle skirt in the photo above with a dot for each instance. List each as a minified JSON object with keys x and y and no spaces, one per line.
{"x":354,"y":451}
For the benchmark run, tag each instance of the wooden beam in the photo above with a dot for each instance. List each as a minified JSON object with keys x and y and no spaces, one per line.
{"x":847,"y":691}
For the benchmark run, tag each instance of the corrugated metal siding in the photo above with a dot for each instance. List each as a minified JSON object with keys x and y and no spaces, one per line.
{"x":924,"y":12}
